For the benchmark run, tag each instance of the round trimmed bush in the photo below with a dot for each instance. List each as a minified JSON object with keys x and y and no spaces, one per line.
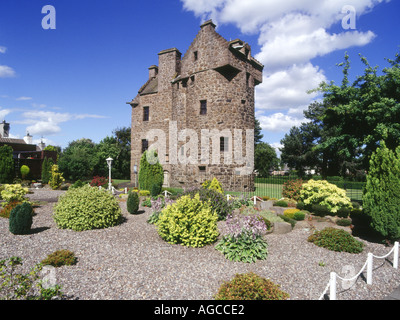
{"x":21,"y":219}
{"x":189,"y":221}
{"x":87,"y":208}
{"x":132,"y":204}
{"x":250,"y":286}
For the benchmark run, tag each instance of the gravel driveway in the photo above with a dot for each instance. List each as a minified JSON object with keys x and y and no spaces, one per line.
{"x":131,"y":262}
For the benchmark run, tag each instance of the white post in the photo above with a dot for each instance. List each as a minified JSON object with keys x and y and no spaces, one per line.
{"x":396,"y":255}
{"x":332,"y":286}
{"x":255,"y":200}
{"x":369,"y":268}
{"x":227,"y":197}
{"x":165,"y":193}
{"x":126,"y":190}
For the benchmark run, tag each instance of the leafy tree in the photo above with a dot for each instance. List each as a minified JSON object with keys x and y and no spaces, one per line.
{"x":78,"y":160}
{"x":265,"y":158}
{"x":360,"y":115}
{"x":6,"y":164}
{"x":46,"y":170}
{"x":381,"y":199}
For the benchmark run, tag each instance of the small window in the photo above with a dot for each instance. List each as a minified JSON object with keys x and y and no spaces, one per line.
{"x":195,"y":56}
{"x":145,"y":145}
{"x":146,"y":113}
{"x":223,"y":144}
{"x":203,"y":107}
{"x":202,"y":169}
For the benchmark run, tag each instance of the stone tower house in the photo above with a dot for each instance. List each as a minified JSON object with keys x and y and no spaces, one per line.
{"x":198,"y":112}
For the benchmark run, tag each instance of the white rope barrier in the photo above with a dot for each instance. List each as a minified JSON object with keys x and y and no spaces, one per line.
{"x":368,"y":264}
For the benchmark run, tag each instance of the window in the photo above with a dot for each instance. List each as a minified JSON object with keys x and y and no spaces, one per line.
{"x":145,"y":145}
{"x":195,"y":56}
{"x":203,"y":107}
{"x":202,"y":169}
{"x":223,"y":144}
{"x":146,"y":113}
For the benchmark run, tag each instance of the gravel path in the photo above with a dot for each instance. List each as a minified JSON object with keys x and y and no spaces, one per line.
{"x":131,"y":262}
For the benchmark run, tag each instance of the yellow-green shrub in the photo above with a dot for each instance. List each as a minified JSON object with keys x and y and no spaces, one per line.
{"x":189,"y":222}
{"x":213,"y":185}
{"x":87,"y":208}
{"x":290,"y":213}
{"x":323,"y":193}
{"x":14,"y":192}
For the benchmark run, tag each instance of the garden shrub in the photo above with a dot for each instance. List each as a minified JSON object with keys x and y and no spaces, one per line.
{"x":156,"y":189}
{"x":98,"y":181}
{"x":77,"y":184}
{"x":291,"y":189}
{"x":20,"y":220}
{"x":6,"y":164}
{"x":213,"y":185}
{"x":6,"y":211}
{"x":381,"y":199}
{"x":336,"y":240}
{"x":87,"y":208}
{"x":290,"y":213}
{"x":56,"y":178}
{"x":157,"y":205}
{"x":320,"y":210}
{"x":243,"y":240}
{"x":132,"y":203}
{"x":281,"y":203}
{"x":46,"y":170}
{"x":24,"y":171}
{"x":323,"y":193}
{"x":60,"y":258}
{"x":150,"y":172}
{"x":300,"y":205}
{"x":268,"y":216}
{"x":14,"y":192}
{"x":189,"y":221}
{"x":218,"y":202}
{"x":344,"y":222}
{"x":299,"y":216}
{"x":250,"y":286}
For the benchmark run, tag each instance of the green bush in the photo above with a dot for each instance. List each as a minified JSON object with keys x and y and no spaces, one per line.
{"x":381,"y":199}
{"x":60,"y":258}
{"x":344,"y":222}
{"x":189,"y":221}
{"x":218,"y":202}
{"x":132,"y":203}
{"x":156,"y":189}
{"x":6,"y":164}
{"x":281,"y":203}
{"x":150,"y":173}
{"x":56,"y":178}
{"x":320,"y":210}
{"x":299,"y":216}
{"x":87,"y":208}
{"x":336,"y":240}
{"x":20,"y":221}
{"x":24,"y":171}
{"x":250,"y":286}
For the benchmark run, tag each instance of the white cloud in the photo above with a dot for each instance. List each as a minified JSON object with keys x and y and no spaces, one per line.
{"x":3,"y":49}
{"x":290,"y":34}
{"x":6,"y":72}
{"x":4,"y":113}
{"x":23,"y":98}
{"x":48,"y":123}
{"x":279,"y":122}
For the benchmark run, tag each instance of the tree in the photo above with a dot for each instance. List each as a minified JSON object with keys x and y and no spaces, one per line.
{"x":265,"y":158}
{"x":360,"y":115}
{"x":6,"y":164}
{"x":77,"y":161}
{"x":381,"y":199}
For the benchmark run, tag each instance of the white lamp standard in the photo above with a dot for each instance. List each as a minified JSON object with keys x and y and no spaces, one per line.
{"x":135,"y":172}
{"x":109,"y":161}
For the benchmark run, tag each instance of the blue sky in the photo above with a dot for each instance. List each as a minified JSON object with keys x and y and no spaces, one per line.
{"x":73,"y":82}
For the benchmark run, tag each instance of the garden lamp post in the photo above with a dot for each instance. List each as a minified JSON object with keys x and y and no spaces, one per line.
{"x":135,"y":172}
{"x":109,"y":161}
